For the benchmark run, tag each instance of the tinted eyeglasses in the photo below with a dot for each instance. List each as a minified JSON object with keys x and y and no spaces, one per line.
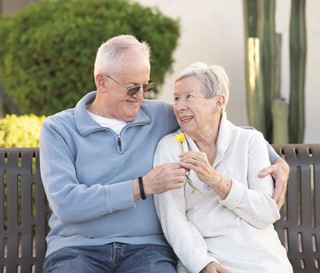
{"x":135,"y":89}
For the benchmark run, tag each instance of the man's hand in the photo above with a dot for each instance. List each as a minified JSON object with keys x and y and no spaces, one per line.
{"x":280,"y":172}
{"x":164,"y":178}
{"x":214,"y":267}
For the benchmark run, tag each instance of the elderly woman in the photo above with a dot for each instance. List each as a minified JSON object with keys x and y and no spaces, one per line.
{"x":222,"y":220}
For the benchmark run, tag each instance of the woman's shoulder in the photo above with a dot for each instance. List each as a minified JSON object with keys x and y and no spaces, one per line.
{"x":248,"y":131}
{"x":168,"y":149}
{"x":170,"y":139}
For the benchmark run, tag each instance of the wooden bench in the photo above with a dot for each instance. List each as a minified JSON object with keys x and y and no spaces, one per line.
{"x":24,"y":211}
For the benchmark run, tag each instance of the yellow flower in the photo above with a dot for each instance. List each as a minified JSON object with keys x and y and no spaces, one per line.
{"x":181,"y":138}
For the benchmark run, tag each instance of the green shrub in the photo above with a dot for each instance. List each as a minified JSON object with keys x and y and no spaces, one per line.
{"x":20,"y":131}
{"x":47,"y":51}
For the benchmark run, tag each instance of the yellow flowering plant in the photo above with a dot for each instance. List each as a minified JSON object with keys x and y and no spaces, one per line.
{"x":20,"y":130}
{"x":181,"y":138}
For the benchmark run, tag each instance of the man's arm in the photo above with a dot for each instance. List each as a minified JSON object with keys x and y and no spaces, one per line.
{"x":280,"y":173}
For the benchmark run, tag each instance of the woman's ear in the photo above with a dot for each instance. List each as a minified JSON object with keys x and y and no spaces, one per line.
{"x":220,"y":103}
{"x":221,"y":100}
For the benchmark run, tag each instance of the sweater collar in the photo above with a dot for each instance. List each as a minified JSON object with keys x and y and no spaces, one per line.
{"x":87,"y":125}
{"x":224,"y":138}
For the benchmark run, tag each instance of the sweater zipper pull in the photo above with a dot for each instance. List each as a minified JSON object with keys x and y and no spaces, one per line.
{"x":119,"y":143}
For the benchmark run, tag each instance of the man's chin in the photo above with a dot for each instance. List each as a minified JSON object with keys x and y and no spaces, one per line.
{"x":131,"y":116}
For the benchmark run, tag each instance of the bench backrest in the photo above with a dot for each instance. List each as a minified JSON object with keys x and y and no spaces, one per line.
{"x":24,"y":211}
{"x":299,"y":226}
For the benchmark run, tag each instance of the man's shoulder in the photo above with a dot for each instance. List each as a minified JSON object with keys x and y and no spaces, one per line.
{"x":65,"y":116}
{"x":155,"y":104}
{"x":158,"y":108}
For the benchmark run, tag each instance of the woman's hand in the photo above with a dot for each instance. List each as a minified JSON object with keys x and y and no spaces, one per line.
{"x":199,"y":163}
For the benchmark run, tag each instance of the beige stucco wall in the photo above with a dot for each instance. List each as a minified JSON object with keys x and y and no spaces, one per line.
{"x":212,"y":32}
{"x":10,"y":6}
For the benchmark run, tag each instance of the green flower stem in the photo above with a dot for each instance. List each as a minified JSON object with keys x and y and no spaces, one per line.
{"x":192,"y":185}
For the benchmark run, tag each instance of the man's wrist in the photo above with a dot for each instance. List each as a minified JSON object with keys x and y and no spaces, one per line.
{"x":141,"y":187}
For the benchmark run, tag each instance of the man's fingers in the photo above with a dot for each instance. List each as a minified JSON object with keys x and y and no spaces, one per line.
{"x":266,"y":171}
{"x":173,"y":165}
{"x":279,"y":199}
{"x":280,"y":203}
{"x":279,"y":194}
{"x":222,"y":269}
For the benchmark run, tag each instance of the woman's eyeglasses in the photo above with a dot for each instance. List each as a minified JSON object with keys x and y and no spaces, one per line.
{"x":135,"y":89}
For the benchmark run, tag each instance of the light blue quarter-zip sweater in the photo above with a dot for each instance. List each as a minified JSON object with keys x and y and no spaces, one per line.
{"x":87,"y":172}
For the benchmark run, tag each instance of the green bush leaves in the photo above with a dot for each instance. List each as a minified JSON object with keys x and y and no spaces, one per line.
{"x":47,"y":51}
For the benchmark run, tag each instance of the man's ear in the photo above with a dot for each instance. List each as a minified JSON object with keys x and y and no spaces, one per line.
{"x":100,"y":81}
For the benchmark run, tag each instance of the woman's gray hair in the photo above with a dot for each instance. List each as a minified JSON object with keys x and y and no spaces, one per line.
{"x":214,"y":78}
{"x":110,"y":52}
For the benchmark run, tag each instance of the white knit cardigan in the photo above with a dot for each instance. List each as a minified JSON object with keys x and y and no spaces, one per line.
{"x":238,"y":231}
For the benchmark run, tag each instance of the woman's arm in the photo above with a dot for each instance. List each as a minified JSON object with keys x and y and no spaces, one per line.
{"x":253,"y":203}
{"x":279,"y":171}
{"x":250,"y":199}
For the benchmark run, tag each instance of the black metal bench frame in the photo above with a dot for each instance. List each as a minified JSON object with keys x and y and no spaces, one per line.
{"x":24,"y":211}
